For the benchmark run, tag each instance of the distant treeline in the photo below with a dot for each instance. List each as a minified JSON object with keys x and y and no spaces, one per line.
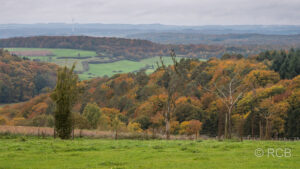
{"x":127,"y":48}
{"x":220,"y":39}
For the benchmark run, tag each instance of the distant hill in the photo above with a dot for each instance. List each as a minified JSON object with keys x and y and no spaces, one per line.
{"x":123,"y":30}
{"x":234,"y":39}
{"x":133,"y":49}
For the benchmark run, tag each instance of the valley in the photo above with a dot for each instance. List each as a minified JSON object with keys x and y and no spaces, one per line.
{"x":88,"y":65}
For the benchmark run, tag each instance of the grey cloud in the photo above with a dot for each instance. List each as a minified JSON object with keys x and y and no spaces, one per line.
{"x":178,"y":12}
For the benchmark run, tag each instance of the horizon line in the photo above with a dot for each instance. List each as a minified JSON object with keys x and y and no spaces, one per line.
{"x":137,"y":24}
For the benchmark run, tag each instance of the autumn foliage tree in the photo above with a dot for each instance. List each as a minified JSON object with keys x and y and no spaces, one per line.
{"x":21,"y":79}
{"x":239,"y":122}
{"x":191,"y":127}
{"x":237,"y":96}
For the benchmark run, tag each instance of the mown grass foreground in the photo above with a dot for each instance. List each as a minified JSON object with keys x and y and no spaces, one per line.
{"x":20,"y":152}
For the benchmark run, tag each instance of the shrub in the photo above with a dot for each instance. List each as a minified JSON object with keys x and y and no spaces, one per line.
{"x":134,"y":127}
{"x":3,"y":121}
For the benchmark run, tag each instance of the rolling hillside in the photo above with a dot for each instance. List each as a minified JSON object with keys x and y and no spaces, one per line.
{"x":142,"y":99}
{"x":22,"y":79}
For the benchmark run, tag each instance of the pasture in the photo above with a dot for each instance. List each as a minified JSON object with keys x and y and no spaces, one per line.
{"x":61,"y":57}
{"x":58,"y":52}
{"x":30,"y":152}
{"x":103,"y":65}
{"x":123,"y":66}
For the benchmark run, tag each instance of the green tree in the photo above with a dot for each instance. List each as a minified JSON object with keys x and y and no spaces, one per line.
{"x":64,"y":95}
{"x":92,"y":113}
{"x":116,"y":124}
{"x":80,"y":122}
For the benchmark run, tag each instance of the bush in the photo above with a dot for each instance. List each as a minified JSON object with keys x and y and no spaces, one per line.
{"x":43,"y":121}
{"x":3,"y":121}
{"x":80,"y":121}
{"x":134,"y":127}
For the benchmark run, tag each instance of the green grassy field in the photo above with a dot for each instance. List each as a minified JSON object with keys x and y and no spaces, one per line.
{"x":123,"y":66}
{"x":96,"y":70}
{"x":59,"y":52}
{"x":33,"y":153}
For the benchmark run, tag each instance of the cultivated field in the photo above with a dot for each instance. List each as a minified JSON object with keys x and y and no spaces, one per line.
{"x":30,"y":152}
{"x":102,"y":66}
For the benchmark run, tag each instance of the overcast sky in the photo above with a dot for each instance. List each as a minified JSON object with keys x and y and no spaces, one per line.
{"x":175,"y":12}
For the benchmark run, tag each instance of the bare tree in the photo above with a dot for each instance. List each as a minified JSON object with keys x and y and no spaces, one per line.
{"x":229,"y":94}
{"x":171,"y":84}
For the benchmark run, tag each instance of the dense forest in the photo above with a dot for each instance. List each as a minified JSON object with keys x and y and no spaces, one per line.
{"x":132,"y":49}
{"x":21,"y":79}
{"x":257,"y":96}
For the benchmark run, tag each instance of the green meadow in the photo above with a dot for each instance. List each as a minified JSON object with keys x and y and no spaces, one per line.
{"x":31,"y":152}
{"x":95,"y":70}
{"x":59,"y":52}
{"x":124,"y":66}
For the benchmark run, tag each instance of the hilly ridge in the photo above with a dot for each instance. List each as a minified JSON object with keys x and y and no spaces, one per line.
{"x":132,"y":49}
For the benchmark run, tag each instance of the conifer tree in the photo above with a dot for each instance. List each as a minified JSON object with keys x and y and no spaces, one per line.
{"x":64,"y":96}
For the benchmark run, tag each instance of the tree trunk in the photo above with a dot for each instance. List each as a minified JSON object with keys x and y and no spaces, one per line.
{"x":168,"y":129}
{"x":267,"y":134}
{"x":116,"y":135}
{"x":73,"y":133}
{"x":252,"y":125}
{"x":241,"y":138}
{"x":220,"y":129}
{"x":153,"y":132}
{"x":168,"y":119}
{"x":229,"y":123}
{"x":226,"y":127}
{"x":261,"y":131}
{"x":54,"y":133}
